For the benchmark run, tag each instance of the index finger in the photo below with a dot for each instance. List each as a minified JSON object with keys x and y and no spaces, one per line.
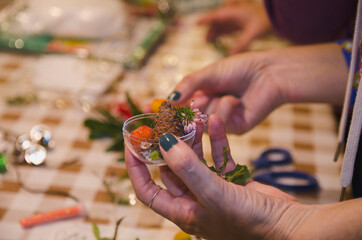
{"x":214,"y":16}
{"x":207,"y":79}
{"x":218,"y":141}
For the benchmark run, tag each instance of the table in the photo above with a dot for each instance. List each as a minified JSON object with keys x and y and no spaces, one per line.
{"x":308,"y":131}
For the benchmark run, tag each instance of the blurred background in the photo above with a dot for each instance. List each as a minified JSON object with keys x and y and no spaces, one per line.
{"x":71,"y":72}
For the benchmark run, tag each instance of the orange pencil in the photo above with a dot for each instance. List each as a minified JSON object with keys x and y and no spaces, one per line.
{"x":73,"y":211}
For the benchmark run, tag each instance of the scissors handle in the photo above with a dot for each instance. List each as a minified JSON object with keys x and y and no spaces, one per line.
{"x":265,"y":160}
{"x":271,"y":178}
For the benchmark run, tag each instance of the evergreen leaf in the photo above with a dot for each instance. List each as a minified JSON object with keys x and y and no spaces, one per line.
{"x":135,"y":110}
{"x":96,"y":231}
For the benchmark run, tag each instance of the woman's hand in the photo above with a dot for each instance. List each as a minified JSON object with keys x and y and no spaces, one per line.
{"x":239,"y":89}
{"x":245,"y":88}
{"x":202,"y":203}
{"x":247,"y":18}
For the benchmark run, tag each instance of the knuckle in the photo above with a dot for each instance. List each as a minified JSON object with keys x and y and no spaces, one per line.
{"x":183,"y":163}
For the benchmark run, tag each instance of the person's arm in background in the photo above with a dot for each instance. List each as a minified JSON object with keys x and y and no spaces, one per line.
{"x":312,"y":21}
{"x":245,"y":88}
{"x":301,"y":22}
{"x":248,"y":19}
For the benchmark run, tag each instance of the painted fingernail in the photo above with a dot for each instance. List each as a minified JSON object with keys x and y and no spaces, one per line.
{"x":167,"y":141}
{"x":174,"y":96}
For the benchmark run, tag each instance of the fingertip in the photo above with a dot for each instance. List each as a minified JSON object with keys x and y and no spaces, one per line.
{"x":206,"y":18}
{"x":174,"y":96}
{"x":215,"y":120}
{"x":183,"y":91}
{"x":201,"y":21}
{"x":216,"y":126}
{"x":167,"y":141}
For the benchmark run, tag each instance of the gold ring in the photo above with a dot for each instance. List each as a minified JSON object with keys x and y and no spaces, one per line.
{"x":154,"y":195}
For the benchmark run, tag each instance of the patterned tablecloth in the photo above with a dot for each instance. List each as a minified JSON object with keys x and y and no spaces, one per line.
{"x":308,"y":131}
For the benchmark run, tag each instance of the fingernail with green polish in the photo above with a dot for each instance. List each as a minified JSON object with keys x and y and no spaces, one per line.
{"x":167,"y":141}
{"x":174,"y":96}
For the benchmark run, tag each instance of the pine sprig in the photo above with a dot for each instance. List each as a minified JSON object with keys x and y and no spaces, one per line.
{"x":135,"y":110}
{"x":109,"y":126}
{"x":186,"y":114}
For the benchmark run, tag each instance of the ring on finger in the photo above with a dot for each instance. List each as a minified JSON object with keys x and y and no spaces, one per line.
{"x":153,"y":197}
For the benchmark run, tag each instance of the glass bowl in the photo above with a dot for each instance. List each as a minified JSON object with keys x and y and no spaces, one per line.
{"x":147,"y":150}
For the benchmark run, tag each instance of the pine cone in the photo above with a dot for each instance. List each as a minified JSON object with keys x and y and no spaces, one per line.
{"x":167,"y":121}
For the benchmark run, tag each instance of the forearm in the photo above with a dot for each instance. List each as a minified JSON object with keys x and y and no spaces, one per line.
{"x":333,"y":221}
{"x":316,"y":73}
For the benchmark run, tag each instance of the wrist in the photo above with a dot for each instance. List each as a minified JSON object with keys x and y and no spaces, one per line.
{"x":292,"y":219}
{"x":304,"y":73}
{"x":270,"y":70}
{"x":277,"y":67}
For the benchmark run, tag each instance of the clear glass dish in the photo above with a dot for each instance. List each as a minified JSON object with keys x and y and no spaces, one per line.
{"x":147,"y":150}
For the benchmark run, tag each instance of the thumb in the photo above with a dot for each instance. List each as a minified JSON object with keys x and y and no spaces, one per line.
{"x":203,"y":183}
{"x":227,"y":106}
{"x":218,"y":15}
{"x":189,"y":85}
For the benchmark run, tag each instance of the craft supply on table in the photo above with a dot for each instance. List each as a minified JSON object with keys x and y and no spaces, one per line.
{"x":266,"y":171}
{"x":144,"y":49}
{"x":64,"y":213}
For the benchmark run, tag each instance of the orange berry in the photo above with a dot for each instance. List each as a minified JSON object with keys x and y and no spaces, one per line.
{"x":156,"y":104}
{"x":144,"y":132}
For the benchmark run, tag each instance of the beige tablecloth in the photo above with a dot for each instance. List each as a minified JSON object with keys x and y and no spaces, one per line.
{"x":306,"y":130}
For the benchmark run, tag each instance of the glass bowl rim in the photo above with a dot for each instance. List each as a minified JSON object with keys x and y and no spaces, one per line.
{"x":140,"y":139}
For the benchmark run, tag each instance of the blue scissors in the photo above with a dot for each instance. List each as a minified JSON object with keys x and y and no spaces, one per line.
{"x":275,"y":157}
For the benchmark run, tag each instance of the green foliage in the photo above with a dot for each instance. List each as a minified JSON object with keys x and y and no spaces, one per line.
{"x":99,"y":129}
{"x":185,"y":113}
{"x":117,"y":145}
{"x":155,"y":155}
{"x":96,"y":231}
{"x":108,"y":126}
{"x":22,"y":100}
{"x":135,"y":110}
{"x":240,"y":175}
{"x":113,"y":196}
{"x":220,"y":47}
{"x":97,"y":234}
